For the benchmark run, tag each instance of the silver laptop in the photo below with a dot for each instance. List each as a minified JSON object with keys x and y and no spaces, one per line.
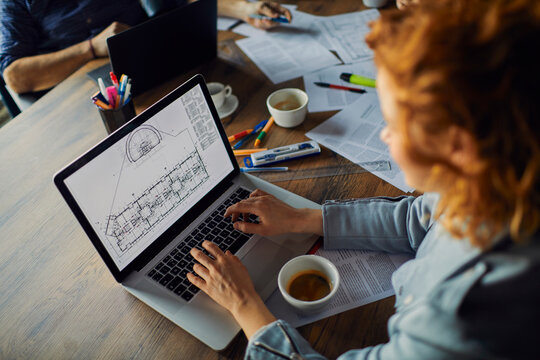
{"x":158,"y":187}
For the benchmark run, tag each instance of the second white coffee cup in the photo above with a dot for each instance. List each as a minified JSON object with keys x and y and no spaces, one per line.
{"x":219,"y":93}
{"x":288,"y":106}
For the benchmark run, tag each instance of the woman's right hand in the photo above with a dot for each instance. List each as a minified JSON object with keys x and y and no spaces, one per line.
{"x":275,"y":216}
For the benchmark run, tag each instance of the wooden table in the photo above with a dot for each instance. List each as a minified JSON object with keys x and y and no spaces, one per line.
{"x":57,"y":298}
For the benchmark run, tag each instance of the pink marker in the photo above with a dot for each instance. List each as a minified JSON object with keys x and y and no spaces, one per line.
{"x":111,"y":95}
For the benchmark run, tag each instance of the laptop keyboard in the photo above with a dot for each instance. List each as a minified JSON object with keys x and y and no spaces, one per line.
{"x":171,"y":271}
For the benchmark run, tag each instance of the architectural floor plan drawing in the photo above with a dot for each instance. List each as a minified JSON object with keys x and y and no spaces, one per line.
{"x":131,"y":218}
{"x":141,"y":141}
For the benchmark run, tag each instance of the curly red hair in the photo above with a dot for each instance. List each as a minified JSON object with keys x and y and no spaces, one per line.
{"x":474,"y":64}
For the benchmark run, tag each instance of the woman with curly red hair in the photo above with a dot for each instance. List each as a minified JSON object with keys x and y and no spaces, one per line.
{"x":459,"y":86}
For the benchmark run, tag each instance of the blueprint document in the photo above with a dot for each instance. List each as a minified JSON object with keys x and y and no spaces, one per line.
{"x":346,"y":34}
{"x":343,"y":33}
{"x":282,"y":57}
{"x":354,"y":134}
{"x":324,"y":99}
{"x":365,"y":278}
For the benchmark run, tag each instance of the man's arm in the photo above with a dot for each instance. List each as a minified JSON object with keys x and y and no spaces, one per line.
{"x":40,"y":72}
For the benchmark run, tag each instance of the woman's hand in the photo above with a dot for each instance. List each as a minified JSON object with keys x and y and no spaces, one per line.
{"x":226,"y":280}
{"x":275,"y":217}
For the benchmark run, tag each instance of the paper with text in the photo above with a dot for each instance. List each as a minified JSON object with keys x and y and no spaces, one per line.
{"x":282,"y":57}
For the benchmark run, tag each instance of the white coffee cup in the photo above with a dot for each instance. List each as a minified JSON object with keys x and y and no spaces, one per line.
{"x":304,"y":263}
{"x":288,"y":106}
{"x":375,"y":3}
{"x":219,"y":93}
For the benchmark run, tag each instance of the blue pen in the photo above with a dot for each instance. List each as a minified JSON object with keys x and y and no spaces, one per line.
{"x":122,"y":88}
{"x":280,"y":19}
{"x":256,"y":129}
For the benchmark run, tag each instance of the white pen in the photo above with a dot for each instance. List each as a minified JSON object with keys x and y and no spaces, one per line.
{"x":263,"y":169}
{"x":127,"y":92}
{"x":102,"y":88}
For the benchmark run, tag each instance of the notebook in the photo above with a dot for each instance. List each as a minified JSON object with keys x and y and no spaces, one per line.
{"x":165,"y":46}
{"x":157,"y":187}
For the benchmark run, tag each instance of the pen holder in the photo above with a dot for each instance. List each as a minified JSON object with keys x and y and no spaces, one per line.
{"x":115,"y":118}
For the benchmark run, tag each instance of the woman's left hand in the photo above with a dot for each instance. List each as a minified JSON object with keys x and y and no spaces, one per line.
{"x":226,"y":280}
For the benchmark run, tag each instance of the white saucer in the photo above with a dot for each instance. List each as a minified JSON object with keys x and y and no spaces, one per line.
{"x":229,"y":106}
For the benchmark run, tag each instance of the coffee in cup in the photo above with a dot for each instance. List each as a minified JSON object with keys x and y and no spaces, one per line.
{"x":290,"y":103}
{"x":309,"y":285}
{"x":219,"y":93}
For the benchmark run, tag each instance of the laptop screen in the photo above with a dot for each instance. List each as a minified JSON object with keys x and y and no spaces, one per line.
{"x":137,"y":188}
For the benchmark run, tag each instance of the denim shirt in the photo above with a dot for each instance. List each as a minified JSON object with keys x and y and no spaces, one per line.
{"x":452,"y":300}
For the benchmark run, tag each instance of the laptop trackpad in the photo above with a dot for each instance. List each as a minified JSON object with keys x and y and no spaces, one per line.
{"x":263,"y":261}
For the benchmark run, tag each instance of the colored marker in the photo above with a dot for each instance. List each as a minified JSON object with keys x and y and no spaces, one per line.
{"x":111,"y":95}
{"x":264,"y":131}
{"x":358,"y":79}
{"x":114,"y":80}
{"x":101,"y":104}
{"x":122,"y":89}
{"x":245,"y":152}
{"x":332,"y":86}
{"x":256,"y":129}
{"x":239,"y":135}
{"x":98,"y":96}
{"x":127,"y":93}
{"x":280,"y":19}
{"x":102,"y":87}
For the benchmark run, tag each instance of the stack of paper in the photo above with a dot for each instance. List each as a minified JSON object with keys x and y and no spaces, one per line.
{"x":293,"y":50}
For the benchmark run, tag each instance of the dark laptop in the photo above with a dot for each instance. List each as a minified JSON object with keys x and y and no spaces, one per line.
{"x":165,"y":46}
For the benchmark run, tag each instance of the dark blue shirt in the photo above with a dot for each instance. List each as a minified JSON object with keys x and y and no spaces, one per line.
{"x":33,"y":27}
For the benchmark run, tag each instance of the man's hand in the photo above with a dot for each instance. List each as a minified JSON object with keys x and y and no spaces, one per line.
{"x":267,"y":8}
{"x":241,"y":9}
{"x":99,"y":42}
{"x":401,"y":4}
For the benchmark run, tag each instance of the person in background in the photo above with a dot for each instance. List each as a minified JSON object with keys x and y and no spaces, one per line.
{"x":43,"y":42}
{"x":458,"y":82}
{"x":401,"y":4}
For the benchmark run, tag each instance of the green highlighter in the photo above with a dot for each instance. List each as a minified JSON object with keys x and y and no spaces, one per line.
{"x":357,"y":79}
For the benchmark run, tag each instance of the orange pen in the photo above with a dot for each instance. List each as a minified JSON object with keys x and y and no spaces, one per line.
{"x":264,"y":131}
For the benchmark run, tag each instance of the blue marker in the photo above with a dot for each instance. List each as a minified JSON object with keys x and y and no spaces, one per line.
{"x":256,"y":129}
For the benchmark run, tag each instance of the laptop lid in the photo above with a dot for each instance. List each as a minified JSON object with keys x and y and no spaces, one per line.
{"x":136,"y":190}
{"x":165,"y":46}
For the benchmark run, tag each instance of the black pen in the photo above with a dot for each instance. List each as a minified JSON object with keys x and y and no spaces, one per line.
{"x":332,"y":86}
